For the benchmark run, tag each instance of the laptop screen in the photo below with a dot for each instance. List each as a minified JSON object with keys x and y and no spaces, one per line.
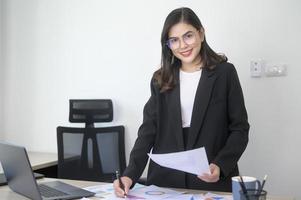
{"x":18,"y":172}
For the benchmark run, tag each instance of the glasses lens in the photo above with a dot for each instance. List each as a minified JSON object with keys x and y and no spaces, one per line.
{"x":173,"y":43}
{"x":189,"y":38}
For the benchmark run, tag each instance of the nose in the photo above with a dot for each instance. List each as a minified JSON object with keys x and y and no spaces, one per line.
{"x":182,"y":44}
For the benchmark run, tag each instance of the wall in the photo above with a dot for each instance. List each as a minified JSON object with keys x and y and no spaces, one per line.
{"x":1,"y":71}
{"x":57,"y":50}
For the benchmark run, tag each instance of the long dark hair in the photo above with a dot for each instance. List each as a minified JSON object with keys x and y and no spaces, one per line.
{"x":165,"y":76}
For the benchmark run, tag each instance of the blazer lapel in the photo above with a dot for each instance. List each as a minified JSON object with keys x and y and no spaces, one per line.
{"x":202,"y":97}
{"x":173,"y":98}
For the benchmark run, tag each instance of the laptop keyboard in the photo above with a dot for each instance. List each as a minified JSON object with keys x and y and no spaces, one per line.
{"x":47,"y":191}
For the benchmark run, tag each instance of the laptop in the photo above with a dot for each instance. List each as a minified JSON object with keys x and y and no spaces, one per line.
{"x":20,"y":178}
{"x":4,"y":182}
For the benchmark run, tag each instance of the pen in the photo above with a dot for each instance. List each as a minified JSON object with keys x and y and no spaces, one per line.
{"x":263,"y":182}
{"x":243,"y":187}
{"x":120,"y":183}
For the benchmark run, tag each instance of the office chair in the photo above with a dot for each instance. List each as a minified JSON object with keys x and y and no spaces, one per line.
{"x":89,"y":153}
{"x":89,"y":111}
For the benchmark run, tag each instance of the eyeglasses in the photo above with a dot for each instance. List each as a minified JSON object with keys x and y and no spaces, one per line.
{"x":175,"y":42}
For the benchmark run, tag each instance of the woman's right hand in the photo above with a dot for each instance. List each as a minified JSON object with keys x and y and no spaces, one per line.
{"x":127,"y":182}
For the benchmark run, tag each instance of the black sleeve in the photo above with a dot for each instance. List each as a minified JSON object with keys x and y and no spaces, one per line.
{"x":146,"y":138}
{"x":238,"y":126}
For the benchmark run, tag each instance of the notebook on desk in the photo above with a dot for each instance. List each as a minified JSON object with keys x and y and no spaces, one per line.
{"x":20,"y":178}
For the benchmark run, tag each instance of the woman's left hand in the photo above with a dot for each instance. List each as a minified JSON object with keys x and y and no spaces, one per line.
{"x":214,"y":176}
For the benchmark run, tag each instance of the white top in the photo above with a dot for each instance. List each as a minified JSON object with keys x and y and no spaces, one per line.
{"x":188,"y":85}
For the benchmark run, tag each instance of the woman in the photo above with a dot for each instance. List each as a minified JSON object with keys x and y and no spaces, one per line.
{"x":196,"y":100}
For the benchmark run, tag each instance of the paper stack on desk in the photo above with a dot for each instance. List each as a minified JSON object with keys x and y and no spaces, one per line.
{"x":141,"y":192}
{"x":152,"y":192}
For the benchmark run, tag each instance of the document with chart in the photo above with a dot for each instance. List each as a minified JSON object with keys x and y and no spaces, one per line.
{"x":152,"y":192}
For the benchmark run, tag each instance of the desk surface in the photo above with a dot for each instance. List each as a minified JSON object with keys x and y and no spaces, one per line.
{"x":39,"y":160}
{"x":7,"y":194}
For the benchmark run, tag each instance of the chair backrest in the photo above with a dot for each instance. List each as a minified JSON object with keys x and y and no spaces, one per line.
{"x":93,"y":154}
{"x":89,"y":111}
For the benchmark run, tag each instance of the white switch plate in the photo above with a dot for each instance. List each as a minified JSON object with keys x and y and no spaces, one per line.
{"x":276,"y":70}
{"x":256,"y":68}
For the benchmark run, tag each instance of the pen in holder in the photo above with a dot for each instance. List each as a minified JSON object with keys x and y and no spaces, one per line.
{"x":243,"y":187}
{"x":262,"y":185}
{"x":244,"y":183}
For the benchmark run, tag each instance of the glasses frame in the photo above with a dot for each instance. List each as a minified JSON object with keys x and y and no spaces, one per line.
{"x":167,"y":43}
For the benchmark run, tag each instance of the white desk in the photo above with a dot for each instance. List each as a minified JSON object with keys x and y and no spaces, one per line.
{"x":39,"y":160}
{"x":7,"y":194}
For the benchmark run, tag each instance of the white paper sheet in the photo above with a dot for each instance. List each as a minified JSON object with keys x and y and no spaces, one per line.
{"x":181,"y":197}
{"x":106,"y":191}
{"x":212,"y":196}
{"x":192,"y":161}
{"x":152,"y":192}
{"x":139,"y":192}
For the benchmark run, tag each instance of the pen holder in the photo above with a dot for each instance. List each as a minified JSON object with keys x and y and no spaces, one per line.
{"x":249,"y":183}
{"x":253,"y":194}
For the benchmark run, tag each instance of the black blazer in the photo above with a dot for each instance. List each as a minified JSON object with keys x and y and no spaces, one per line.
{"x":219,"y":123}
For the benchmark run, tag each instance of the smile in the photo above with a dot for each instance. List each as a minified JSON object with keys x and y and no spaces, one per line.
{"x":186,"y":53}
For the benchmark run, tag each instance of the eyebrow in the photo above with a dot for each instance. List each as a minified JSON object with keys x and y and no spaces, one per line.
{"x":182,"y":35}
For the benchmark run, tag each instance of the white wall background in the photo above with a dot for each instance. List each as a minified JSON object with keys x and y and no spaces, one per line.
{"x":1,"y":72}
{"x":61,"y":49}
